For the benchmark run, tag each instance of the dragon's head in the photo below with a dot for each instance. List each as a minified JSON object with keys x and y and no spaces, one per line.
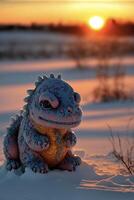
{"x":53,"y":103}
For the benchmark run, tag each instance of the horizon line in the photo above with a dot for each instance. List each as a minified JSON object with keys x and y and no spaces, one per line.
{"x":62,"y":22}
{"x":66,"y":2}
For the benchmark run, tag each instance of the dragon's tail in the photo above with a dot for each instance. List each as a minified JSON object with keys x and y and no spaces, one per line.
{"x":11,"y":149}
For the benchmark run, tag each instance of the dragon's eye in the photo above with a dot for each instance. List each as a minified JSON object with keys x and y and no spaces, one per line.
{"x":77,"y":97}
{"x":45,"y":104}
{"x":48,"y":100}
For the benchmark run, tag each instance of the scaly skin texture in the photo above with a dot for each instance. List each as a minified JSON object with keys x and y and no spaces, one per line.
{"x":40,"y":137}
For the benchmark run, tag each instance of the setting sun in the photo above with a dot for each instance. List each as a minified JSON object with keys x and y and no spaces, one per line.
{"x":96,"y":22}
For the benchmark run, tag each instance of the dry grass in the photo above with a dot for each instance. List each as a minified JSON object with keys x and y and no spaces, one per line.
{"x":111,"y":83}
{"x":123,"y":150}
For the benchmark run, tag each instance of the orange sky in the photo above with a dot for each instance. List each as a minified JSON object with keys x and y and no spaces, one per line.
{"x":20,"y":11}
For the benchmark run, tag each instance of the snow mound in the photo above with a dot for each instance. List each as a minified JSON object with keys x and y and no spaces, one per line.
{"x":59,"y":185}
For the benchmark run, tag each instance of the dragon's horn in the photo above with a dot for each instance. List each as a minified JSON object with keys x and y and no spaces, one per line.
{"x":30,"y":92}
{"x":52,"y":76}
{"x":45,"y":77}
{"x":40,"y":79}
{"x":59,"y":76}
{"x":26,"y":99}
{"x":36,"y":83}
{"x":8,"y":129}
{"x":21,"y":111}
{"x":12,"y":119}
{"x":17,"y":116}
{"x":25,"y":107}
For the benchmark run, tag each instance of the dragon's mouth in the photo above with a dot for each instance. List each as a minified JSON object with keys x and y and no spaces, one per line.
{"x":60,"y":123}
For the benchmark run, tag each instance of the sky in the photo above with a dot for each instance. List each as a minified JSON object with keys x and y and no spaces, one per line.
{"x":66,"y":11}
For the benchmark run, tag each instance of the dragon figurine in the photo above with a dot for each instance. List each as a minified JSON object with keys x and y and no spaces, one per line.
{"x":40,"y":137}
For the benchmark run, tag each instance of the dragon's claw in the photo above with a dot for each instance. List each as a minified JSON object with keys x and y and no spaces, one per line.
{"x":39,"y":167}
{"x":12,"y":164}
{"x":75,"y":160}
{"x":70,"y":163}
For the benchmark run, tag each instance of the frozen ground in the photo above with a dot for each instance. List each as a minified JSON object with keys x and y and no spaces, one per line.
{"x":36,"y":44}
{"x":83,"y":184}
{"x":32,"y":44}
{"x":99,"y":177}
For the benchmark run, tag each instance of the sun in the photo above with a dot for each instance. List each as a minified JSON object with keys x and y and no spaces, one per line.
{"x":96,"y":23}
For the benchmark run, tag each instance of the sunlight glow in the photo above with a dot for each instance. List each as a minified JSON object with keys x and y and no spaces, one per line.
{"x":96,"y":22}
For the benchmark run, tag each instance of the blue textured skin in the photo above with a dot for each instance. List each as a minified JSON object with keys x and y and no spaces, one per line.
{"x":23,"y":143}
{"x":70,"y":139}
{"x":34,"y":139}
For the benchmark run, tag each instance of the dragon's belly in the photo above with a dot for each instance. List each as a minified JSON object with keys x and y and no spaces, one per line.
{"x":57,"y":149}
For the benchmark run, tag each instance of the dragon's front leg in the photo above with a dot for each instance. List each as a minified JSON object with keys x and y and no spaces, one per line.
{"x":35,"y":140}
{"x":31,"y":158}
{"x":71,"y":161}
{"x":31,"y":144}
{"x":70,"y":139}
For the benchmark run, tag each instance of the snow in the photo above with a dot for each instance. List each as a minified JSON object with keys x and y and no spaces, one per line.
{"x":99,"y":176}
{"x":32,"y":44}
{"x":82,"y":184}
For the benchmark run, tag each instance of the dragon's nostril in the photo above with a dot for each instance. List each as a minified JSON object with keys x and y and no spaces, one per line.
{"x":69,"y":109}
{"x":78,"y":109}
